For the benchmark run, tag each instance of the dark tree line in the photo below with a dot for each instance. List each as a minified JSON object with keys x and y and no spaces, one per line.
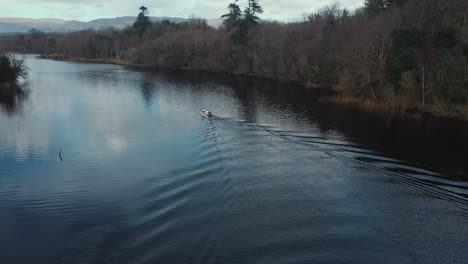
{"x":413,"y":51}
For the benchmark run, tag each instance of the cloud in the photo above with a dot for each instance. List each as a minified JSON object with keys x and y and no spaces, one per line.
{"x":90,"y":9}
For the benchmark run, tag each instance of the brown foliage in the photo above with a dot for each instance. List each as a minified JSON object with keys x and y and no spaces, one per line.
{"x":418,"y":49}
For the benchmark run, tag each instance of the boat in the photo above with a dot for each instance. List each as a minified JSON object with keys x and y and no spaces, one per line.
{"x":207,"y":114}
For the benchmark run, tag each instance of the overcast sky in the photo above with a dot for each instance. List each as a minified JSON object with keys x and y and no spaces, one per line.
{"x":86,"y":10}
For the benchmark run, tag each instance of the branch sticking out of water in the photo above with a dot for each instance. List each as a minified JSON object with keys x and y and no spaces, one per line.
{"x":60,"y":155}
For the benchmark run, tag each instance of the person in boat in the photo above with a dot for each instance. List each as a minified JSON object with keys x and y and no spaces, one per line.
{"x":207,"y":113}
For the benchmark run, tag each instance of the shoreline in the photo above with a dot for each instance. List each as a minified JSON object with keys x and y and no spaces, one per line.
{"x":393,"y":109}
{"x":385,"y":107}
{"x":61,"y":57}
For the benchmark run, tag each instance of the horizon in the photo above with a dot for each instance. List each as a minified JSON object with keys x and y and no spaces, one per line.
{"x":87,"y":11}
{"x":51,"y":18}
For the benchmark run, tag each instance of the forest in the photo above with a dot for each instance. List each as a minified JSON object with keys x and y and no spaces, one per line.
{"x":411,"y":52}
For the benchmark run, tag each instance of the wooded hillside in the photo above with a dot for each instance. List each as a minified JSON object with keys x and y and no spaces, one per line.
{"x":413,"y":50}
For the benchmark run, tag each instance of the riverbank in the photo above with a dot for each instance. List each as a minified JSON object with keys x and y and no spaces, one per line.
{"x":397,"y":108}
{"x":64,"y":57}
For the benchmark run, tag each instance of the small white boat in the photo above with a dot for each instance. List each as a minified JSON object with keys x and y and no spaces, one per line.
{"x":207,"y":114}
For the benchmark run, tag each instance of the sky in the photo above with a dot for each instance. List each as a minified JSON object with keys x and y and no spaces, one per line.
{"x":86,"y":10}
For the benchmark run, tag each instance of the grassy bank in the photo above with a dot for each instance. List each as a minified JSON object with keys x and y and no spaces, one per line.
{"x":65,"y":57}
{"x":398,"y":109}
{"x":124,"y":62}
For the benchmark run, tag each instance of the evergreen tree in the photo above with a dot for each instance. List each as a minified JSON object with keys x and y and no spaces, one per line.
{"x":233,"y":18}
{"x":250,"y":13}
{"x":142,"y":22}
{"x":248,"y":21}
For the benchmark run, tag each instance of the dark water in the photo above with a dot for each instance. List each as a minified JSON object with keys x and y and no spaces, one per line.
{"x":274,"y":178}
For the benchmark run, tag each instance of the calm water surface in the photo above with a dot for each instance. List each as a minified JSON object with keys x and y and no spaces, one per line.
{"x":274,"y":178}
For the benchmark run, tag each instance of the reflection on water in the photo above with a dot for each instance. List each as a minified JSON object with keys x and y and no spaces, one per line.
{"x":274,"y":178}
{"x":11,"y":97}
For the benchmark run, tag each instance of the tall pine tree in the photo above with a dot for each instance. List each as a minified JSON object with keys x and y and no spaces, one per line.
{"x":250,"y":13}
{"x":142,"y":22}
{"x":233,"y":18}
{"x":240,"y":23}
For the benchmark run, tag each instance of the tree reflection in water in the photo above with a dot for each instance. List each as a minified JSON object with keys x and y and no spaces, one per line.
{"x":12,"y":96}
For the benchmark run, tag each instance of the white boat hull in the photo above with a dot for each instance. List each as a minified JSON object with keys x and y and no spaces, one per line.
{"x":205,"y":114}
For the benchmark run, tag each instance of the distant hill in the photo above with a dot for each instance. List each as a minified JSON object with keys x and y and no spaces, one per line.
{"x":22,"y":25}
{"x":7,"y":28}
{"x":121,"y":22}
{"x":216,"y":23}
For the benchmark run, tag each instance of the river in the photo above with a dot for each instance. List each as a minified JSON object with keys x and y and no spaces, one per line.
{"x":274,"y":177}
